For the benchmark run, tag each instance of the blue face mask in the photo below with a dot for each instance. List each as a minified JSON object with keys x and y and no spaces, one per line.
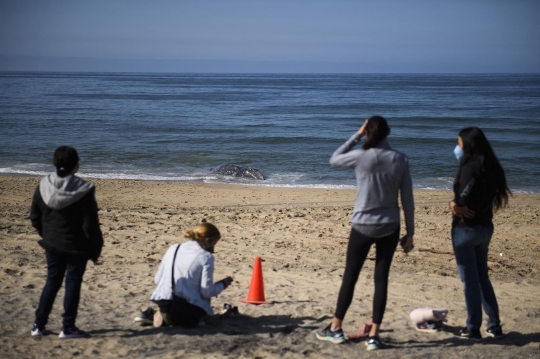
{"x":458,"y":152}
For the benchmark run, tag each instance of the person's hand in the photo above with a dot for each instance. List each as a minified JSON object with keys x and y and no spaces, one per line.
{"x":407,"y":244}
{"x":461,"y":211}
{"x":362,"y":130}
{"x":226,"y":282}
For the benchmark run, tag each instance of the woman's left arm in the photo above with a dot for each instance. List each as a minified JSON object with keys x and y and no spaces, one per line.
{"x":35,"y":212}
{"x":343,"y":157}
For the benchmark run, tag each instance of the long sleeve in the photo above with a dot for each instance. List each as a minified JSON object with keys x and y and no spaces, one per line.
{"x":342,"y":157}
{"x":407,"y":200}
{"x":90,"y":224}
{"x":159,"y":272}
{"x":210,"y":289}
{"x":35,"y":212}
{"x":467,"y":181}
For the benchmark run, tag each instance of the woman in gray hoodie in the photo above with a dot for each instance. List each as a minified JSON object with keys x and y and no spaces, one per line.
{"x":65,"y":214}
{"x":381,"y":174}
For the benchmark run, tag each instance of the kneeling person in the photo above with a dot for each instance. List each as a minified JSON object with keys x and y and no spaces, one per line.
{"x":186,"y":272}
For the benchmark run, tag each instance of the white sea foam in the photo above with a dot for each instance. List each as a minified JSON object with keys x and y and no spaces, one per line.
{"x":281,"y":180}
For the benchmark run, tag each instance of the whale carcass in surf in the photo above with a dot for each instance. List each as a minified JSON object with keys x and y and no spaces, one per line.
{"x":239,"y":171}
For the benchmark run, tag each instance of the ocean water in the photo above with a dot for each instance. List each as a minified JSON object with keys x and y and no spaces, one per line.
{"x":178,"y":127}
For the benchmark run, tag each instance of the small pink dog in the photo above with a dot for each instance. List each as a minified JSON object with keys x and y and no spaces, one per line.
{"x":428,"y":320}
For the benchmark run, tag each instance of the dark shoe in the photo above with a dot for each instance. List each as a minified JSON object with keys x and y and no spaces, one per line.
{"x":373,"y":343}
{"x":469,"y":334}
{"x":146,"y":317}
{"x":228,"y":311}
{"x":37,"y":331}
{"x":329,"y":335}
{"x":495,"y":332}
{"x":72,"y":332}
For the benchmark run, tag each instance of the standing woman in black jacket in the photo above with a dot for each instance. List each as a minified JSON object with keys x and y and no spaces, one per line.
{"x":479,"y":186}
{"x":65,"y":214}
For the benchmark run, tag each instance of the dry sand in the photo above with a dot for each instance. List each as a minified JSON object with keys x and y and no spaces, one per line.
{"x":301,"y":234}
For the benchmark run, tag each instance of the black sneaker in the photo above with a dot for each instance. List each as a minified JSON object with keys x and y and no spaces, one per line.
{"x":373,"y":343}
{"x":146,"y":317}
{"x":72,"y":332}
{"x":495,"y":332}
{"x":37,"y":331}
{"x":469,"y":334}
{"x":333,"y":336}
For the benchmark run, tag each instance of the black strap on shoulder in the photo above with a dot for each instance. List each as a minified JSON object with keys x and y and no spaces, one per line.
{"x":172,"y":269}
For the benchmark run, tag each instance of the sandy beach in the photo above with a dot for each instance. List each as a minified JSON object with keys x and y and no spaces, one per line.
{"x":301,"y":235}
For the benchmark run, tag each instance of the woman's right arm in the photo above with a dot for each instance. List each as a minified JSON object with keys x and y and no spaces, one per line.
{"x":467,"y":181}
{"x":90,"y":225}
{"x":459,"y":206}
{"x":208,"y":287}
{"x":407,"y":200}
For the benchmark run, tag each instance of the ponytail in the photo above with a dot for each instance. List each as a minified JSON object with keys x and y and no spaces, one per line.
{"x":203,"y":231}
{"x":65,"y":160}
{"x":377,"y":129}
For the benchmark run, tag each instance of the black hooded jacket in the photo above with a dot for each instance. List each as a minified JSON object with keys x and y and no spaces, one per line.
{"x":65,"y":213}
{"x":474,"y":190}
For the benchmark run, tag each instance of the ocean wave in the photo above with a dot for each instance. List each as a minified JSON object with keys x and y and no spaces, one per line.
{"x":279,"y":180}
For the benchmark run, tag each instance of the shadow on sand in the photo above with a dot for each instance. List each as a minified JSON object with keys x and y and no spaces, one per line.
{"x":236,"y":325}
{"x":509,"y":339}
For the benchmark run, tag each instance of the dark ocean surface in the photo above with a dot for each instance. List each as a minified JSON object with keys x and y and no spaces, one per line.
{"x":179,"y":126}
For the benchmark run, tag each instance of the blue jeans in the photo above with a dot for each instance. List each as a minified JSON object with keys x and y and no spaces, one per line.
{"x":58,"y":265}
{"x":471,"y":251}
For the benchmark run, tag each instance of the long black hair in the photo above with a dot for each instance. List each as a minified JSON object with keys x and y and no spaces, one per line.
{"x":377,"y":130}
{"x":476,"y":146}
{"x":65,"y":159}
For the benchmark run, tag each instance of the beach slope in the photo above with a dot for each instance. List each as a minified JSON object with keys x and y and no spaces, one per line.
{"x":301,"y":235}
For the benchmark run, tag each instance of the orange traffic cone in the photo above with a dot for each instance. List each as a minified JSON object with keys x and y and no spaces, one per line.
{"x":256,"y":287}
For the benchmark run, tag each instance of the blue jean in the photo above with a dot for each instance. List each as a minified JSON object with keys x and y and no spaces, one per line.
{"x":58,"y":265}
{"x":471,"y":246}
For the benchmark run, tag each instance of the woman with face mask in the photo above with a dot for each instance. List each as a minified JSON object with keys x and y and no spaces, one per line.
{"x":479,"y":187}
{"x":186,"y":271}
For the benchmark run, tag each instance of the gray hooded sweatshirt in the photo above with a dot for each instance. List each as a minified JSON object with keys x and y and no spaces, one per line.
{"x":59,"y":192}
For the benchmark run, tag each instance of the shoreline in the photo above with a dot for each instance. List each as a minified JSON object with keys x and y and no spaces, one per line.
{"x":301,"y":234}
{"x":249,"y":184}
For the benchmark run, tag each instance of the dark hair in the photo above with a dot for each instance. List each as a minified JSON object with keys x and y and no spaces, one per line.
{"x":377,"y":130}
{"x":476,"y":146}
{"x":65,"y":159}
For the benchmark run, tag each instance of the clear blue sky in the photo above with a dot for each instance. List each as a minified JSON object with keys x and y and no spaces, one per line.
{"x":271,"y":36}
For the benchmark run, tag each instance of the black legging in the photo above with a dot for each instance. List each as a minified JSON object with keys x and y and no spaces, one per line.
{"x":184,"y":314}
{"x":357,"y":252}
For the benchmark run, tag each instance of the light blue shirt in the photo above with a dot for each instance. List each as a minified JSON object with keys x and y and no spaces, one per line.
{"x":193,"y":273}
{"x":381,"y":173}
